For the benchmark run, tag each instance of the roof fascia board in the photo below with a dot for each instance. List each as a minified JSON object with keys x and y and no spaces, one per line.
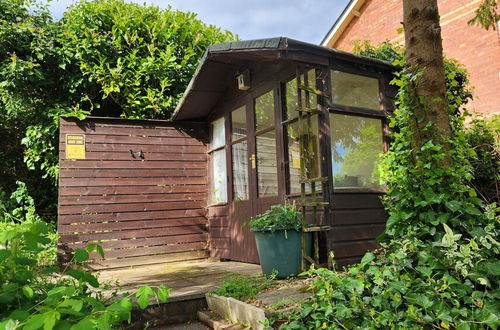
{"x":342,"y":22}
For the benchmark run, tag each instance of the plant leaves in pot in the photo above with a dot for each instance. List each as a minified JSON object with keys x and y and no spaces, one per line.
{"x":278,"y":235}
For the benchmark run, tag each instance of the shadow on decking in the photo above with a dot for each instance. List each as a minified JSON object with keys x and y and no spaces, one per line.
{"x":187,"y":280}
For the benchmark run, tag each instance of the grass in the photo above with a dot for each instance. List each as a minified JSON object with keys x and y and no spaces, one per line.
{"x":243,"y":287}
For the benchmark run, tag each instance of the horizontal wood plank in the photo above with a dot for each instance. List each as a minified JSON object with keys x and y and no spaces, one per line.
{"x":129,"y":164}
{"x":133,"y":198}
{"x":139,"y":242}
{"x":123,"y":225}
{"x":132,"y":234}
{"x":146,"y":260}
{"x":127,"y":216}
{"x":109,"y":182}
{"x":128,"y":190}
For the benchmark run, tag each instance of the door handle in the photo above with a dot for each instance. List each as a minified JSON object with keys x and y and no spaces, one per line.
{"x":253,"y":160}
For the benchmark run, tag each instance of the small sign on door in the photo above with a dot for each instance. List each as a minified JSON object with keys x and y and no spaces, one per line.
{"x":75,"y":146}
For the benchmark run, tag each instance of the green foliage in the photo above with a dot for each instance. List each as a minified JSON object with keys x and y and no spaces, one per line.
{"x":484,"y":138}
{"x":103,"y":58}
{"x":242,"y":287}
{"x":486,"y":15}
{"x":282,"y":216}
{"x":438,"y":266}
{"x":35,"y":294}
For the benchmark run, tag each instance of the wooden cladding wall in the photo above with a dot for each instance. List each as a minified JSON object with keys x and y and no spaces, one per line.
{"x":220,"y":240}
{"x":356,"y":220}
{"x":148,"y":207}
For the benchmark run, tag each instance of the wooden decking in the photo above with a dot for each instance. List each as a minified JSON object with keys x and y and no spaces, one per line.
{"x":188,"y":280}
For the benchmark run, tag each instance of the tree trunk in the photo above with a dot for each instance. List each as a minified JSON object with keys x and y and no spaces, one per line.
{"x":424,"y":52}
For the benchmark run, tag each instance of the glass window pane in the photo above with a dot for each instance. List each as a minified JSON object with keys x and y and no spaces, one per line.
{"x":355,"y":90}
{"x":239,"y":123}
{"x":311,"y":82}
{"x":291,"y":99}
{"x":219,"y":177}
{"x":357,"y":143}
{"x":240,"y":170}
{"x":294,"y":157}
{"x":264,"y":111}
{"x":218,"y":133}
{"x":267,"y":169}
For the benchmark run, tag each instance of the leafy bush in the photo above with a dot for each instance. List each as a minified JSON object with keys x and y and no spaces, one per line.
{"x":103,"y":58}
{"x":282,"y":216}
{"x":242,"y":287}
{"x":439,"y":264}
{"x":484,"y":138}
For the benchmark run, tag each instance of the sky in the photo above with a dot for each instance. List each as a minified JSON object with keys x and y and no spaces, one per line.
{"x":305,"y":20}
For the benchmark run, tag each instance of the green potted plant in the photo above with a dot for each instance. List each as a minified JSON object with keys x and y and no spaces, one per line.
{"x":278,"y":235}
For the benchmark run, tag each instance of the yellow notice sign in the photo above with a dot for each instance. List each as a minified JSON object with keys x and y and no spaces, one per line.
{"x":295,"y":162}
{"x":75,"y":146}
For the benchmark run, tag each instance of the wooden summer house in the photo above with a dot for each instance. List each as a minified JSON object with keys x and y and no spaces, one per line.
{"x":262,"y":122}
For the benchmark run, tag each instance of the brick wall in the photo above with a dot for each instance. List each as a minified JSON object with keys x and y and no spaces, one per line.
{"x":477,"y":49}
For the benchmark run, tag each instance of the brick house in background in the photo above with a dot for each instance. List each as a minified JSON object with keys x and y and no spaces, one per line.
{"x":476,"y":48}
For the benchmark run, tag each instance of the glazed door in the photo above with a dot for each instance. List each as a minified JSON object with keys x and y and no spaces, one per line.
{"x":260,"y":186}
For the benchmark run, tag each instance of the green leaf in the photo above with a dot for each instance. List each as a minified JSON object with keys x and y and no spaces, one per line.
{"x":8,"y":324}
{"x":19,"y":315}
{"x":427,"y":271}
{"x":368,"y":257}
{"x":419,"y":299}
{"x":4,"y":254}
{"x":81,"y":255}
{"x":491,"y":267}
{"x":163,"y":293}
{"x":73,"y":304}
{"x":25,"y":261}
{"x":28,"y":291}
{"x":85,"y":324}
{"x":34,"y":322}
{"x":91,"y":279}
{"x":453,"y":205}
{"x":143,"y":295}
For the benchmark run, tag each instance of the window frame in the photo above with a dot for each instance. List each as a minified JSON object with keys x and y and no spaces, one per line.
{"x":232,"y":142}
{"x":275,"y":93}
{"x":210,"y":153}
{"x":380,"y":113}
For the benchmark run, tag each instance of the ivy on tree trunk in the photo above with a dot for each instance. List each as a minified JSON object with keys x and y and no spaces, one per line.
{"x":424,"y":55}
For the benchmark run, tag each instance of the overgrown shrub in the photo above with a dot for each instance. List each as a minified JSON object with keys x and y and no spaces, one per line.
{"x":483,"y":135}
{"x":103,"y":58}
{"x":439,"y":264}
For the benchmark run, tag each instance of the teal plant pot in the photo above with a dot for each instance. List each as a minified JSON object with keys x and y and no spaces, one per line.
{"x":280,"y":251}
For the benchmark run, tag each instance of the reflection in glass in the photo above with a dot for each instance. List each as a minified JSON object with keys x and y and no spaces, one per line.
{"x":291,"y":99}
{"x":311,"y":82}
{"x":219,"y":177}
{"x":240,"y":170}
{"x":355,"y":90}
{"x":294,"y":158}
{"x":239,"y":123}
{"x":264,"y":111}
{"x":267,"y":167}
{"x":357,"y":143}
{"x":218,"y":133}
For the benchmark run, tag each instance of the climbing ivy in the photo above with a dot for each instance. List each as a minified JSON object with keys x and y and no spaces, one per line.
{"x":438,"y":265}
